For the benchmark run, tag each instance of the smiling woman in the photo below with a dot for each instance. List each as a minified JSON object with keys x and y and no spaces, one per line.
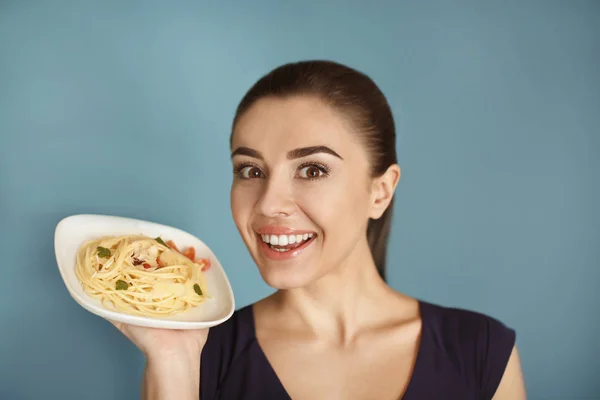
{"x":314,"y":176}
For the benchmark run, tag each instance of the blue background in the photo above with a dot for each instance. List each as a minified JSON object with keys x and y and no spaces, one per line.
{"x":125,"y":108}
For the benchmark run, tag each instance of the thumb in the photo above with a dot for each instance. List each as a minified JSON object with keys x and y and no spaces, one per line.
{"x":121,"y":327}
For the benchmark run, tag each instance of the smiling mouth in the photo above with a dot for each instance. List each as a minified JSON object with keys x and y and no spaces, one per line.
{"x":285,"y":243}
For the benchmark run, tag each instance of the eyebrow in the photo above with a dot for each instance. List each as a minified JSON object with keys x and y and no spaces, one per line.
{"x":291,"y":155}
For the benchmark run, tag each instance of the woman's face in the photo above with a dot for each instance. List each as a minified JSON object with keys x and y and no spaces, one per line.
{"x":302,"y":192}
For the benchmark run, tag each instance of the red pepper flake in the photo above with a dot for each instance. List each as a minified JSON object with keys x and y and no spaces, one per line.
{"x":146,"y":265}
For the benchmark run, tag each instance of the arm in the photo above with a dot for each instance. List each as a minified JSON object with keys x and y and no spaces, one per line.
{"x":173,"y":357}
{"x":172,"y":378}
{"x":512,"y":385}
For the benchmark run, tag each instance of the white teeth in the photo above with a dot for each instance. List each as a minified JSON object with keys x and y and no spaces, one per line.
{"x":283,"y":240}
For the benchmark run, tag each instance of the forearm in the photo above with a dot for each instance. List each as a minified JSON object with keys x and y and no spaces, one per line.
{"x":171,"y":378}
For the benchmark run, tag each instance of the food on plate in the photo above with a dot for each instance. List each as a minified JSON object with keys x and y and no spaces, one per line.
{"x":141,"y":275}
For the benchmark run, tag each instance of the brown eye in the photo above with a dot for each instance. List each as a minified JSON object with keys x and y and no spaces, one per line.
{"x":250,"y":172}
{"x":311,"y":172}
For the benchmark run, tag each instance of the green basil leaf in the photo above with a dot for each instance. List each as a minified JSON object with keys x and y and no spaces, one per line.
{"x":122,"y":285}
{"x":197,"y":289}
{"x":103,"y":252}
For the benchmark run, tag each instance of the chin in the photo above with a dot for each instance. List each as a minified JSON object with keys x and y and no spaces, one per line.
{"x":283,"y":277}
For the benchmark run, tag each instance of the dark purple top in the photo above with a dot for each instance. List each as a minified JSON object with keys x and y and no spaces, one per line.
{"x":462,"y":355}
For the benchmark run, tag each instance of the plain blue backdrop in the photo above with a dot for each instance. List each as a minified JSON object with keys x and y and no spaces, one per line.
{"x":125,"y":108}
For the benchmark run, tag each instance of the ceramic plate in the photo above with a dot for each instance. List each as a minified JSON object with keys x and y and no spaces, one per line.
{"x":73,"y":231}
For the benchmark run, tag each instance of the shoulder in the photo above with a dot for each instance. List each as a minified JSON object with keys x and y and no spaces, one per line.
{"x":226,"y":343}
{"x":465,"y":323}
{"x":235,"y":333}
{"x":477,"y":344}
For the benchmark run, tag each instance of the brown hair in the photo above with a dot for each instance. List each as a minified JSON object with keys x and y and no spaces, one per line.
{"x":355,"y":95}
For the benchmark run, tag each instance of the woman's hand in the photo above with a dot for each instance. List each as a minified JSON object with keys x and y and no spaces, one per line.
{"x":155,"y":342}
{"x":173,"y":360}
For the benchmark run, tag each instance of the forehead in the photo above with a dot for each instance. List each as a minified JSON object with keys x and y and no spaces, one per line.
{"x":281,"y":124}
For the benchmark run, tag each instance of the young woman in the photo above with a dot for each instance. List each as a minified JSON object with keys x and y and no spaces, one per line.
{"x":314,"y":175}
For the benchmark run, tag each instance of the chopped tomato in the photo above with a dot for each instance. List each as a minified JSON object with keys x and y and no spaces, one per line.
{"x":205,"y":263}
{"x":146,"y":265}
{"x":190,"y":253}
{"x":172,"y":245}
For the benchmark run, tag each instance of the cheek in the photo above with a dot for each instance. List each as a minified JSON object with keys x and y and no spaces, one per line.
{"x":337,"y":208}
{"x":242,"y":198}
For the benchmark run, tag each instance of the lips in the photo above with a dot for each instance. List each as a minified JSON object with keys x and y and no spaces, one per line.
{"x":282,"y":243}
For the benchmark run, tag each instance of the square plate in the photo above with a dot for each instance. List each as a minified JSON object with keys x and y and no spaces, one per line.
{"x":73,"y":231}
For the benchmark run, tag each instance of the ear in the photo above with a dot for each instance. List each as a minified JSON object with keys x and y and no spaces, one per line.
{"x":382,"y":191}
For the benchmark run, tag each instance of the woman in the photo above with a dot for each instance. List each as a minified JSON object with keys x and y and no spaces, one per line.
{"x":315,"y":170}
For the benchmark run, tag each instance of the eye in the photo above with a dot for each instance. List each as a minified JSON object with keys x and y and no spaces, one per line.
{"x":249,"y":172}
{"x":313,"y":171}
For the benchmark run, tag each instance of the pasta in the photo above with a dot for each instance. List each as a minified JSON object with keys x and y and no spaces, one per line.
{"x":140,"y":275}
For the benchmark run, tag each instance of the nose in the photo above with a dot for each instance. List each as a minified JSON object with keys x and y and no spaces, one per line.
{"x":276,"y":199}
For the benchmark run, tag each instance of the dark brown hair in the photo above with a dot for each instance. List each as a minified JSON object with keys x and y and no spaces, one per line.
{"x":356,"y":96}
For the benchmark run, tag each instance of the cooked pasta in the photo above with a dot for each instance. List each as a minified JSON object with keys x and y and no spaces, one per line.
{"x":140,"y":275}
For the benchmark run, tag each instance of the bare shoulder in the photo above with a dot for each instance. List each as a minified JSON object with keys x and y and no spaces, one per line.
{"x":265,"y":312}
{"x":482,"y":343}
{"x":403,"y":307}
{"x":266,"y":304}
{"x":512,"y":384}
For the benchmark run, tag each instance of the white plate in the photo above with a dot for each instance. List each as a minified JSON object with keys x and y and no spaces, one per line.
{"x":73,"y":231}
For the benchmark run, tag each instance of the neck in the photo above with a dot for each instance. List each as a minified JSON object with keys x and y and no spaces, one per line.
{"x":339,"y":304}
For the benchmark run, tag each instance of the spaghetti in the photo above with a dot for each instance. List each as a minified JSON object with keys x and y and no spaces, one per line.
{"x":140,"y":275}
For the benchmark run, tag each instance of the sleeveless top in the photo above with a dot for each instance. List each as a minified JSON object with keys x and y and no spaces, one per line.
{"x":462,"y":355}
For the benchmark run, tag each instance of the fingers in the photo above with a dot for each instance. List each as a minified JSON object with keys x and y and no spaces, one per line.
{"x":122,"y":328}
{"x":118,"y":325}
